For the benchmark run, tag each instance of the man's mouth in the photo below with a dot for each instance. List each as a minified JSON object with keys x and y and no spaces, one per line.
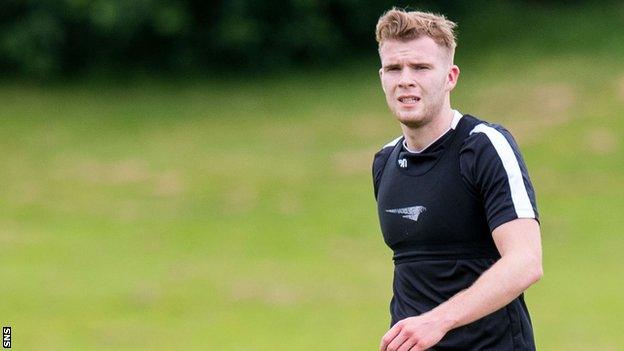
{"x":408,"y":99}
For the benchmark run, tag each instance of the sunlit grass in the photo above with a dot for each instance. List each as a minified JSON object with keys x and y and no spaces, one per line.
{"x":239,"y":215}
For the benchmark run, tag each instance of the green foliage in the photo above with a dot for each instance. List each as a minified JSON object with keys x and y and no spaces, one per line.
{"x":52,"y":38}
{"x":42,"y":38}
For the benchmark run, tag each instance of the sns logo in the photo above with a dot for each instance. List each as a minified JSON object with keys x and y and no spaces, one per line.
{"x":6,"y":337}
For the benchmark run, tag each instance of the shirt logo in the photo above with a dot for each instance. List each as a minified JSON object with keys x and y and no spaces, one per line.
{"x":403,"y":163}
{"x":410,"y":213}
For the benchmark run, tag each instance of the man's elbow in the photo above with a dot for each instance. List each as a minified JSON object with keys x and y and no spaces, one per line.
{"x":537,"y":274}
{"x":533,"y":271}
{"x":528,"y":270}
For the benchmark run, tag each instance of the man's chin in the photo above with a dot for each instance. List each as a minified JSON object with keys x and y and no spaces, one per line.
{"x":411,"y":120}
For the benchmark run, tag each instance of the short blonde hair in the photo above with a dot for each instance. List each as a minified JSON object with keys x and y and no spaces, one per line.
{"x":398,"y":24}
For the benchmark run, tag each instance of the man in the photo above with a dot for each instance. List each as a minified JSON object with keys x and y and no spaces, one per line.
{"x":455,"y":204}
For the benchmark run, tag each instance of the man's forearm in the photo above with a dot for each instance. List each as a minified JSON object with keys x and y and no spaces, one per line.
{"x":496,"y":287}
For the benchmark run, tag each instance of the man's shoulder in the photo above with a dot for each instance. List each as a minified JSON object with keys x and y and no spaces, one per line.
{"x":387,"y":148}
{"x":392,"y":143}
{"x":380,"y":159}
{"x":470,"y":122}
{"x":382,"y":155}
{"x":479,"y":133}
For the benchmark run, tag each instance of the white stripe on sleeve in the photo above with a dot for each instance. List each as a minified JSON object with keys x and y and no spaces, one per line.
{"x":519,"y":194}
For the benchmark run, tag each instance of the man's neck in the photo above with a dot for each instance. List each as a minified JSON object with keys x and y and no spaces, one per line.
{"x":419,"y":138}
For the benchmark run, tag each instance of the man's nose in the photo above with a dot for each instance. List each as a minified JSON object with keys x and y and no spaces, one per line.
{"x":406,"y":80}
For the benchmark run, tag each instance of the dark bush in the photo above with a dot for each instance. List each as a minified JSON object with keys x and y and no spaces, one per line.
{"x":48,"y":38}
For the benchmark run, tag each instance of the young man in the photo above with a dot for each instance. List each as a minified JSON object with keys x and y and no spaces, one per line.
{"x":455,"y":204}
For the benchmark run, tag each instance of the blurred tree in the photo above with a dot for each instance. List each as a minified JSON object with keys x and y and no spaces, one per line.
{"x":69,"y":37}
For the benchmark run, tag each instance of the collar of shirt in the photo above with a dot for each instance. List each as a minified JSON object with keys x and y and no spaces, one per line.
{"x":456,"y":117}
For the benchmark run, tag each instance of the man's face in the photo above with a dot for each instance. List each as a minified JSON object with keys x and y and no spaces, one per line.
{"x":416,"y":76}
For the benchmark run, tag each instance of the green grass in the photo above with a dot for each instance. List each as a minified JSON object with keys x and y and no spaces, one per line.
{"x":239,"y":215}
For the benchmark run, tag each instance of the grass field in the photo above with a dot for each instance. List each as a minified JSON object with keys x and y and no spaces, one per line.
{"x":238,"y":215}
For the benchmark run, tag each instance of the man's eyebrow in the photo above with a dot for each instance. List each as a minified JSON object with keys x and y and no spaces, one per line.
{"x":420,"y":63}
{"x":391,"y":65}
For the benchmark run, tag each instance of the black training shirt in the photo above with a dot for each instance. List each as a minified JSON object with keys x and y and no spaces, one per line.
{"x":437,"y":209}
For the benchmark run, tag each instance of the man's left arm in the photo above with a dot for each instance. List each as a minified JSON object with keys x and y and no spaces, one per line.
{"x":520,"y":266}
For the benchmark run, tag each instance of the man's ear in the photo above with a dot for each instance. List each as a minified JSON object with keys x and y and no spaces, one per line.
{"x":452,"y":77}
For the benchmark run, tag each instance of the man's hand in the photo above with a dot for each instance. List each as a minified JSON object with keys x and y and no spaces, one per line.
{"x":414,"y":334}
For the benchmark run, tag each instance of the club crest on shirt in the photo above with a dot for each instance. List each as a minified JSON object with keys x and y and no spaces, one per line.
{"x":410,"y":213}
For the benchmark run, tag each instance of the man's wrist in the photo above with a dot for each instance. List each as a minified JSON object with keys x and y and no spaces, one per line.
{"x":445,"y":320}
